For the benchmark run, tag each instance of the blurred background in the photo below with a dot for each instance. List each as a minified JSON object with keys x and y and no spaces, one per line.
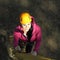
{"x":47,"y":15}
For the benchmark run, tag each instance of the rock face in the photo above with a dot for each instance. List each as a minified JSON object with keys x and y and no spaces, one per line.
{"x":47,"y":15}
{"x":3,"y":46}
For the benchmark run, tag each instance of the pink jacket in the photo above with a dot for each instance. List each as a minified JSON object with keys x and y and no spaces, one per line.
{"x":36,"y":35}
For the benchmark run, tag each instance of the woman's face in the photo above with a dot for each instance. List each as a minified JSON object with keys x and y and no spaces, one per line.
{"x":26,"y":27}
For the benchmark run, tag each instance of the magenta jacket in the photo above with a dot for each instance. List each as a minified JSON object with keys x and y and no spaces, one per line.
{"x":36,"y":35}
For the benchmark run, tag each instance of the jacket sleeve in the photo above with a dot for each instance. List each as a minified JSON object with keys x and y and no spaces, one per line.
{"x":38,"y":40}
{"x":16,"y":38}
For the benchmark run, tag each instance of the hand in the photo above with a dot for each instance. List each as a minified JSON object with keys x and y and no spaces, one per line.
{"x":34,"y":53}
{"x":18,"y":48}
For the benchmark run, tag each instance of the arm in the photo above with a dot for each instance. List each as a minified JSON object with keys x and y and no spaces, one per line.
{"x":38,"y":40}
{"x":16,"y":38}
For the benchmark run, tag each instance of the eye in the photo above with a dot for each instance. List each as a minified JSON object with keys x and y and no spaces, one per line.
{"x":28,"y":24}
{"x":24,"y":25}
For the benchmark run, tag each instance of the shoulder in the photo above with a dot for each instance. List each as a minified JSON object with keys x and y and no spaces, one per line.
{"x":18,"y":29}
{"x":38,"y":28}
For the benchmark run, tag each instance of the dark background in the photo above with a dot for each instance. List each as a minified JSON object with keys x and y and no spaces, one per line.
{"x":47,"y":15}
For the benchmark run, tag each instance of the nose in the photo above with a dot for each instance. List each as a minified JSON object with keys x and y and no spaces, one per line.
{"x":26,"y":25}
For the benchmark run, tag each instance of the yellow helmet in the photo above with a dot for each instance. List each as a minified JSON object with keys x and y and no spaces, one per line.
{"x":25,"y":18}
